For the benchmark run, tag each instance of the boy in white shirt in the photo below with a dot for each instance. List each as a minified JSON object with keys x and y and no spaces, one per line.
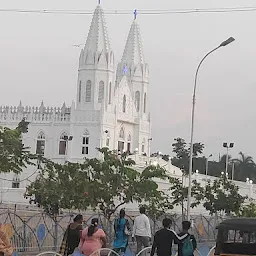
{"x":141,"y":230}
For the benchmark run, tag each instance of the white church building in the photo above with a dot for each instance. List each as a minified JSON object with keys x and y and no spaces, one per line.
{"x":110,"y":110}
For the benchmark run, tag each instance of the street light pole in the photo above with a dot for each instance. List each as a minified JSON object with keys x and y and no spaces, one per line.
{"x":233,"y":170}
{"x":227,"y":161}
{"x":228,"y":41}
{"x":207,"y":165}
{"x":225,"y":145}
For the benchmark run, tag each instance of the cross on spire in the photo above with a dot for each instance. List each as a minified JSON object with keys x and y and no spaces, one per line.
{"x":125,"y":70}
{"x":135,"y":14}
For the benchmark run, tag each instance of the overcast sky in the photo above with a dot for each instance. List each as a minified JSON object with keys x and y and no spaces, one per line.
{"x":38,"y":62}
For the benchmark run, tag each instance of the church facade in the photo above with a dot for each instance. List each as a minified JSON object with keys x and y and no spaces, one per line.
{"x":110,"y":110}
{"x":111,"y":107}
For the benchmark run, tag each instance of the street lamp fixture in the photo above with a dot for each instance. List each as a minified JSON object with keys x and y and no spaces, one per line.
{"x":228,"y":41}
{"x":225,"y":43}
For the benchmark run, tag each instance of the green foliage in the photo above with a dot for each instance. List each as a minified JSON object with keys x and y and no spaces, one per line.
{"x":100,"y":184}
{"x":179,"y":193}
{"x":166,"y":158}
{"x":223,"y":197}
{"x":248,"y":210}
{"x":13,"y":155}
{"x":58,"y":187}
{"x":182,"y":151}
{"x":244,"y":167}
{"x":158,"y":205}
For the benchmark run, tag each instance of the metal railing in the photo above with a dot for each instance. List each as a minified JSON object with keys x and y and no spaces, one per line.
{"x":35,"y":233}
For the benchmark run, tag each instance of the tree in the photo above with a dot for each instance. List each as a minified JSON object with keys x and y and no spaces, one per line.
{"x":157,"y":206}
{"x":223,"y":197}
{"x":244,"y":167}
{"x":14,"y":156}
{"x":215,"y":168}
{"x":166,"y":158}
{"x":120,"y":183}
{"x":100,"y":184}
{"x":248,"y":210}
{"x":179,"y":193}
{"x":182,"y":151}
{"x":58,"y":187}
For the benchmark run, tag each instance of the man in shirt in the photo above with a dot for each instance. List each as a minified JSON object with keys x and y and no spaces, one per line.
{"x":185,"y":228}
{"x":164,"y":239}
{"x":141,"y":230}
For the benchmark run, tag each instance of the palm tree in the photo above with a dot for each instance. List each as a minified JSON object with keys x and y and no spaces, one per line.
{"x":245,"y":167}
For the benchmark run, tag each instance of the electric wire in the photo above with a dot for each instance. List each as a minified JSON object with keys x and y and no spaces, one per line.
{"x":140,"y":12}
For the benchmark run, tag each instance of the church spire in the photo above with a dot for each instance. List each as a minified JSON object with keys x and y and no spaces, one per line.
{"x":97,"y":40}
{"x":133,"y":63}
{"x":133,"y":53}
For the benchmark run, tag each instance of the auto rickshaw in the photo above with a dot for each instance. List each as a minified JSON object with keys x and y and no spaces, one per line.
{"x":236,"y":237}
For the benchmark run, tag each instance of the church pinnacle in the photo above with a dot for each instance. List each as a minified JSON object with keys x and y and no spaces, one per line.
{"x":133,"y":53}
{"x":97,"y":40}
{"x":133,"y":63}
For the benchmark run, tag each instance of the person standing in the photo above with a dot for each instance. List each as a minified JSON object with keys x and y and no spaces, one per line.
{"x":71,"y":237}
{"x":141,"y":230}
{"x":93,"y":238}
{"x":5,"y":245}
{"x":122,"y":231}
{"x":164,"y":239}
{"x":188,"y":246}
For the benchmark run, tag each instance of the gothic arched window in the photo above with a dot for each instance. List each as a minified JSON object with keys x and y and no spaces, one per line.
{"x":88,"y":91}
{"x":80,"y":91}
{"x":143,"y":145}
{"x":63,"y":144}
{"x":40,"y":143}
{"x":145,"y":103}
{"x":16,"y":181}
{"x":85,"y":142}
{"x":137,"y":101}
{"x":124,"y":104}
{"x":108,"y":139}
{"x":121,"y":133}
{"x":101,"y":92}
{"x":109,"y":93}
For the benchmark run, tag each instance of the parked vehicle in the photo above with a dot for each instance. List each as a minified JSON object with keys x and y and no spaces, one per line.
{"x":236,"y":237}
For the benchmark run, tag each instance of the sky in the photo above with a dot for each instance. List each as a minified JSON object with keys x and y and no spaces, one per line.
{"x":39,"y":62}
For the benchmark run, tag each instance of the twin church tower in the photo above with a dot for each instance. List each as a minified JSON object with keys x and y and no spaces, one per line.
{"x":111,"y":107}
{"x":119,"y":94}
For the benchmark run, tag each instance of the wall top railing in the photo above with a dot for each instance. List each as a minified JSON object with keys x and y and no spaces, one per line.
{"x":42,"y":113}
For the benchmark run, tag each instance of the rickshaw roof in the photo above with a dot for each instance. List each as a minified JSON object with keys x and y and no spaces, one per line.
{"x":243,"y":224}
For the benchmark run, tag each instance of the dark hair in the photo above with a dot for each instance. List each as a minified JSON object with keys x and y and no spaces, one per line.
{"x":186,"y":225}
{"x":167,"y":222}
{"x":91,"y":229}
{"x":142,"y":210}
{"x":78,"y":218}
{"x":122,"y":213}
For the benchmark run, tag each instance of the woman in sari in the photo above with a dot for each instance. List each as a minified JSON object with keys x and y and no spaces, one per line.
{"x":71,"y":237}
{"x":93,"y":238}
